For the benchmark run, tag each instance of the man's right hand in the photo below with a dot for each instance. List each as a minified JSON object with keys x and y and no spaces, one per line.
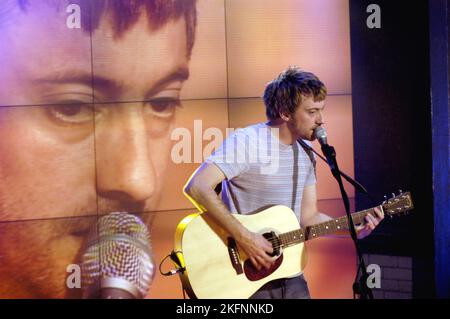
{"x":257,"y":249}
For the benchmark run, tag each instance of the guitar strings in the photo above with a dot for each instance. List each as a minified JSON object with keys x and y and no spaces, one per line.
{"x":277,"y":242}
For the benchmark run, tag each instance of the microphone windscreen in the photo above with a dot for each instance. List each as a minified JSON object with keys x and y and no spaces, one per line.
{"x":118,"y":256}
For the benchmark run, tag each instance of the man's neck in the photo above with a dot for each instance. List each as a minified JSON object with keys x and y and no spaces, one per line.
{"x":285,"y":136}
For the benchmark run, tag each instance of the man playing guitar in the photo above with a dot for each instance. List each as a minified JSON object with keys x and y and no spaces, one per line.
{"x":244,"y":164}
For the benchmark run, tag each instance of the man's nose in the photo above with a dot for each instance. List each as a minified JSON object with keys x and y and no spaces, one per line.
{"x":125,"y":170}
{"x":320,"y":119}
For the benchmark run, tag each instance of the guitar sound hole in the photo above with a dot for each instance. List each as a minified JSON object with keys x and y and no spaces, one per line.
{"x":276,"y":243}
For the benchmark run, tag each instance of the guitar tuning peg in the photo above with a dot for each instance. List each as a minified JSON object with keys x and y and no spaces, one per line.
{"x":400,"y":191}
{"x":393,"y":195}
{"x":385,"y":198}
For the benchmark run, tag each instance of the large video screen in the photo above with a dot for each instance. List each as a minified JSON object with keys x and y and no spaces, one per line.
{"x":110,"y":106}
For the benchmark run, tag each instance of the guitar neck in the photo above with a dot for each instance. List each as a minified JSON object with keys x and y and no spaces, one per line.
{"x":325,"y":228}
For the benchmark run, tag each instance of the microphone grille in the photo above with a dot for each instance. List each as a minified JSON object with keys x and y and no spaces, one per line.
{"x":320,"y":133}
{"x":118,"y":256}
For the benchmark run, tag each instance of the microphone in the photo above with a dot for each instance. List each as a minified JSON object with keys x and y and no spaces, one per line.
{"x":327,"y":150}
{"x":321,"y":135}
{"x":117,"y":263}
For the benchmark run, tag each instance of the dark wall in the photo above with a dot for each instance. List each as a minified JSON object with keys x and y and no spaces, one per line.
{"x":440,"y":89}
{"x":392,"y":127}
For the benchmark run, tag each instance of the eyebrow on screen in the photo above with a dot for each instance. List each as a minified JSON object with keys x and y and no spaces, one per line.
{"x":110,"y":85}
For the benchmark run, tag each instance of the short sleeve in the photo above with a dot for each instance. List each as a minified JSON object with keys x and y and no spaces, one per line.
{"x":232,"y":156}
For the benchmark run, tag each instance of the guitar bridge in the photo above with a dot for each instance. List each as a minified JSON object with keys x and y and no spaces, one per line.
{"x":234,"y":256}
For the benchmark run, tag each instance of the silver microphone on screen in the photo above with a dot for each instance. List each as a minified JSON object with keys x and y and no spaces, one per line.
{"x":117,"y":262}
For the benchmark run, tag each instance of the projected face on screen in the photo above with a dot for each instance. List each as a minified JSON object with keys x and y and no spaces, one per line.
{"x":85,"y":122}
{"x":85,"y":110}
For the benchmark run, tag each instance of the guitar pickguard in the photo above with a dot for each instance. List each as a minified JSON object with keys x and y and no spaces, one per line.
{"x":254,"y":274}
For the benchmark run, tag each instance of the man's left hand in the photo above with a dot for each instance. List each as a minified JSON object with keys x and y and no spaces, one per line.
{"x":370,"y":224}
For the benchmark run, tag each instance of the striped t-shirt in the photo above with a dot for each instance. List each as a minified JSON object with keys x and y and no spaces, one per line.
{"x":261,"y":171}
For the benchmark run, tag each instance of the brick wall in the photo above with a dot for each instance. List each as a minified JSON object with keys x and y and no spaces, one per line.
{"x":396,"y":276}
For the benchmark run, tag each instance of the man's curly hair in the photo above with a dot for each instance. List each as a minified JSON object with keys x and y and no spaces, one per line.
{"x":285,"y":93}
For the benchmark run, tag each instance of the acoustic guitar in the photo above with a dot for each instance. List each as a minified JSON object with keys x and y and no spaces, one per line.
{"x":214,"y":266}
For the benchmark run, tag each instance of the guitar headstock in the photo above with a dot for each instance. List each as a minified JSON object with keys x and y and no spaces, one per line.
{"x":398,"y":204}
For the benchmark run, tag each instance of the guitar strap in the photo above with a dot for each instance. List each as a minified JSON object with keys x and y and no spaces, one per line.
{"x":295,"y":158}
{"x":309,"y":153}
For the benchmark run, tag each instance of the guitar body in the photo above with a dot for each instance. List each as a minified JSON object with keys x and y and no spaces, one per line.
{"x":217,"y":268}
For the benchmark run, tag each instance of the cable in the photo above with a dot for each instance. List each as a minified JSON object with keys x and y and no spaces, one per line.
{"x":180,"y":269}
{"x":174,"y":257}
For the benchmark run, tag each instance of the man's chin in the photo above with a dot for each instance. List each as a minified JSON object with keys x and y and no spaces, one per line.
{"x":312,"y":136}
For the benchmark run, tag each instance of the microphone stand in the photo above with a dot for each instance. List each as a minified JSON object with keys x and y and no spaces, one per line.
{"x":359,"y":288}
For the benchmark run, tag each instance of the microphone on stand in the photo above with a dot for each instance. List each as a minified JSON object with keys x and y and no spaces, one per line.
{"x":327,"y":150}
{"x":117,"y":262}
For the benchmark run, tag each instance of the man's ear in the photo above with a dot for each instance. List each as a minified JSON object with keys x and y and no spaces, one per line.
{"x":285,"y":117}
